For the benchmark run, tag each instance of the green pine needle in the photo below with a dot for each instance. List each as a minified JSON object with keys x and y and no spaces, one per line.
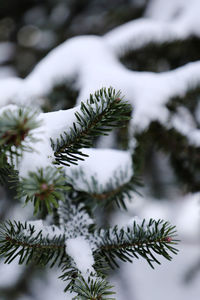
{"x":44,"y":188}
{"x":18,"y":240}
{"x":92,"y":289}
{"x":156,"y":238}
{"x":16,"y":131}
{"x":118,"y":189}
{"x":104,"y":111}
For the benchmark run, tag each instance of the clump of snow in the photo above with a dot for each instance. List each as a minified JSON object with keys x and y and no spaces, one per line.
{"x":80,"y":250}
{"x":139,"y":33}
{"x":58,"y":122}
{"x":103,"y":165}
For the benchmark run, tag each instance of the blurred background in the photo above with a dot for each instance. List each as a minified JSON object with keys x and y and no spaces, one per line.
{"x":169,"y":168}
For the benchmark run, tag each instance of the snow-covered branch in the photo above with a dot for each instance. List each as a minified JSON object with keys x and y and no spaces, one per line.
{"x":147,"y":92}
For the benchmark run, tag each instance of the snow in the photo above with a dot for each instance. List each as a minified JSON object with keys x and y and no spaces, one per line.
{"x":79,"y":249}
{"x":149,"y":103}
{"x":58,"y":122}
{"x":38,"y":224}
{"x":181,"y":13}
{"x":103,"y":165}
{"x":139,"y":33}
{"x":61,"y":63}
{"x":159,"y":27}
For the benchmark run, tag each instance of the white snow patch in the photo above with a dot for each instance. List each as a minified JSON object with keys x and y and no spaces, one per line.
{"x":80,"y":250}
{"x":102,"y":164}
{"x":168,"y":20}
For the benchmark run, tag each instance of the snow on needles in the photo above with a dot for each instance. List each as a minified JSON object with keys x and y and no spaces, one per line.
{"x":166,"y":21}
{"x":46,"y":231}
{"x":78,"y":248}
{"x":53,"y":125}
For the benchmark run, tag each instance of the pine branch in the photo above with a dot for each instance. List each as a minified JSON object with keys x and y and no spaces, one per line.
{"x":184,"y":157}
{"x":91,"y":286}
{"x":157,"y":237}
{"x":116,"y":194}
{"x":118,"y":189}
{"x":102,"y":112}
{"x":24,"y":242}
{"x":92,"y":289}
{"x":7,"y":172}
{"x":46,"y":246}
{"x":16,"y":131}
{"x":44,"y":187}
